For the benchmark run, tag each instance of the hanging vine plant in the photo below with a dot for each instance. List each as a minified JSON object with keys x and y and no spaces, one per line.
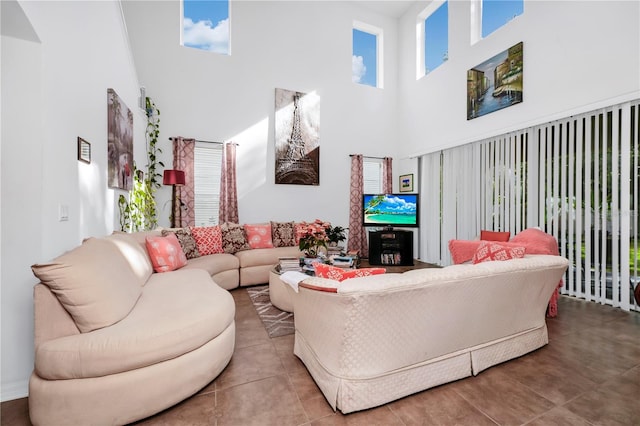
{"x":140,"y":212}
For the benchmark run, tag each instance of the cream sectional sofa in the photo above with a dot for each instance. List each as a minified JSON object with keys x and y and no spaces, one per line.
{"x":383,"y":337}
{"x":116,"y":342}
{"x":240,"y":269}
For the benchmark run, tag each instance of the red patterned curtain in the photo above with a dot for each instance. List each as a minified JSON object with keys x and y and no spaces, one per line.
{"x":184,"y":211}
{"x":387,"y":175}
{"x":357,"y":233}
{"x":228,"y":188}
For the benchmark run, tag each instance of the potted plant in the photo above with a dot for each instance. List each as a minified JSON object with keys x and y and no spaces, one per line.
{"x":335,"y":235}
{"x":313,"y":237}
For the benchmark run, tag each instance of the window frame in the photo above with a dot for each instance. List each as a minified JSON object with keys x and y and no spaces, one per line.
{"x":421,"y":66}
{"x":379,"y":34}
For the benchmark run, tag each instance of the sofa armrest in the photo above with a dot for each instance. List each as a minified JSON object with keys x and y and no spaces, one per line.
{"x":51,"y":320}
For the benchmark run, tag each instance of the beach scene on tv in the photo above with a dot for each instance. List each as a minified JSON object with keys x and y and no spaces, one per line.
{"x":391,"y":209}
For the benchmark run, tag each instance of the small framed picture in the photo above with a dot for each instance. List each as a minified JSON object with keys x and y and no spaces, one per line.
{"x":406,"y":183}
{"x":84,"y":150}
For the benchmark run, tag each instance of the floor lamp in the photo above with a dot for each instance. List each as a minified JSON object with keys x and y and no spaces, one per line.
{"x":173,"y":178}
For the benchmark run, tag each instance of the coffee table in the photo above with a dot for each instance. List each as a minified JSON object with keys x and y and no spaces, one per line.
{"x":281,"y":294}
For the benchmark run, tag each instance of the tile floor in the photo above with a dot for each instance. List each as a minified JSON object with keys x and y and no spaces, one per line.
{"x":589,"y":374}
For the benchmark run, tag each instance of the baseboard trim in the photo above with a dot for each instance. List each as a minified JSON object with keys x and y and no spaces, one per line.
{"x":14,"y":390}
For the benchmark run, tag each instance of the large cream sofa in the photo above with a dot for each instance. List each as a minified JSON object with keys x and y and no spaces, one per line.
{"x":116,"y":342}
{"x":240,"y":269}
{"x":382,"y":337}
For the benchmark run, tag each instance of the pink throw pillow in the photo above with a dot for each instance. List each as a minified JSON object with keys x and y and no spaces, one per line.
{"x":208,"y":239}
{"x":259,"y":235}
{"x":166,"y":253}
{"x":340,"y":274}
{"x":495,"y":236}
{"x":495,"y":251}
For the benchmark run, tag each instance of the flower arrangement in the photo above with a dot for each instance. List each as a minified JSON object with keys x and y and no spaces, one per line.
{"x":313,"y":236}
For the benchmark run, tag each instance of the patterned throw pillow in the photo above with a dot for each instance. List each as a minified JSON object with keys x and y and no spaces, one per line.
{"x":259,"y":235}
{"x":283,"y":234}
{"x":234,"y":238}
{"x":495,"y":236}
{"x":208,"y":239}
{"x":495,"y":251}
{"x":340,"y":274}
{"x":166,"y":253}
{"x":186,"y":240}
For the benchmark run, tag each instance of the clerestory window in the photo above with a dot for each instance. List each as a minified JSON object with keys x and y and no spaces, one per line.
{"x":205,"y":25}
{"x":366,"y":59}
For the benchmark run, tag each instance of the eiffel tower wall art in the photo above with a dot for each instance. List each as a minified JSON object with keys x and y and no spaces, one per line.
{"x":297,"y":138}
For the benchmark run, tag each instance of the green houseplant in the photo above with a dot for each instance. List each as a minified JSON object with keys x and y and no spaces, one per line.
{"x":335,"y":235}
{"x":139,"y":212}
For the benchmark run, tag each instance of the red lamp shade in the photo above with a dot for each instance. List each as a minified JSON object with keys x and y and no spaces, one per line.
{"x":173,"y":177}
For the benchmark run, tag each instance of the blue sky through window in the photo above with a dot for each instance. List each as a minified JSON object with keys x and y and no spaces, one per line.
{"x":436,"y":38}
{"x":364,"y":58}
{"x":496,"y":13}
{"x":206,"y":25}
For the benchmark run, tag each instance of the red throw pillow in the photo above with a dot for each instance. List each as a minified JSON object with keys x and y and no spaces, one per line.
{"x":166,"y":253}
{"x":208,"y":239}
{"x":259,"y":235}
{"x":495,"y":236}
{"x":340,"y":274}
{"x":495,"y":251}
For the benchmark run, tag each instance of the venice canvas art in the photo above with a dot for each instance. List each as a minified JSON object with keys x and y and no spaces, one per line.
{"x":119,"y":142}
{"x":496,"y":83}
{"x":297,"y":138}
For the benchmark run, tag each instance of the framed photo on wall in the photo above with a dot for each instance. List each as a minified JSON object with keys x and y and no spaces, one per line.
{"x":84,"y":151}
{"x":406,"y":183}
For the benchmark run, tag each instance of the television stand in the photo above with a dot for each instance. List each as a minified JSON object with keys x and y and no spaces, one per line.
{"x":391,"y":247}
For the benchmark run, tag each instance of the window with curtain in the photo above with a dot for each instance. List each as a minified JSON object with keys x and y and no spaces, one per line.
{"x":372,"y":175}
{"x":207,"y":166}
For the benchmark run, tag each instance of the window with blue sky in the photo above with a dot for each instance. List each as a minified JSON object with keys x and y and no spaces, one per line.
{"x":496,"y":13}
{"x":205,"y":25}
{"x":364,"y":60}
{"x":436,"y":38}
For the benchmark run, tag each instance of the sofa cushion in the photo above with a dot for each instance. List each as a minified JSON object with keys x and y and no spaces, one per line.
{"x":340,"y":274}
{"x":489,"y":250}
{"x":186,"y":240}
{"x":177,"y":312}
{"x":494,"y":235}
{"x":208,"y":239}
{"x":283,"y":234}
{"x":166,"y":253}
{"x":214,"y":263}
{"x":95,"y":282}
{"x":261,"y":257}
{"x":259,"y":235}
{"x":234,"y":238}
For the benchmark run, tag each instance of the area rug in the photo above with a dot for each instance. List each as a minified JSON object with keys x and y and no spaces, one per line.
{"x":277,"y":322}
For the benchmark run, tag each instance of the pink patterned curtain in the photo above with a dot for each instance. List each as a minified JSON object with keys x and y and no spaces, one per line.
{"x":228,"y":189}
{"x":357,"y":232}
{"x":387,"y":175}
{"x":184,"y":211}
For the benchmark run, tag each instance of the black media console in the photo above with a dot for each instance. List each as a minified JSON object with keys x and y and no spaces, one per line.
{"x":391,"y":247}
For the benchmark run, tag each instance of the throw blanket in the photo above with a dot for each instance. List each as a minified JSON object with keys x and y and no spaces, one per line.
{"x":534,"y":241}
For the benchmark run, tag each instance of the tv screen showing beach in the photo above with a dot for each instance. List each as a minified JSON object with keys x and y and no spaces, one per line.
{"x":390,"y":210}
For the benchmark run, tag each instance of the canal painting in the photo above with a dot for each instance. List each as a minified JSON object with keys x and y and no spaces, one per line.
{"x":496,"y":83}
{"x":297,"y":138}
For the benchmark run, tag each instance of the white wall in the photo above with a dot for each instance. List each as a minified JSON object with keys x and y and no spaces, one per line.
{"x":303,"y":46}
{"x":53,"y":92}
{"x":578,"y":55}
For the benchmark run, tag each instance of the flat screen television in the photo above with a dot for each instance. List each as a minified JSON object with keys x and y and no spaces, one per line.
{"x":390,"y":210}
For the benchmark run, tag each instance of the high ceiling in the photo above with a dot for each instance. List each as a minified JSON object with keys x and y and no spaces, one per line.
{"x":392,"y":8}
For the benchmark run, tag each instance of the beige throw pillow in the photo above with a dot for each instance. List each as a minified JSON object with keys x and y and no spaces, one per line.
{"x":94,"y":282}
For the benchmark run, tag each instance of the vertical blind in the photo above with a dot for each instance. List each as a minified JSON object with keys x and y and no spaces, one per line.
{"x":576,"y":178}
